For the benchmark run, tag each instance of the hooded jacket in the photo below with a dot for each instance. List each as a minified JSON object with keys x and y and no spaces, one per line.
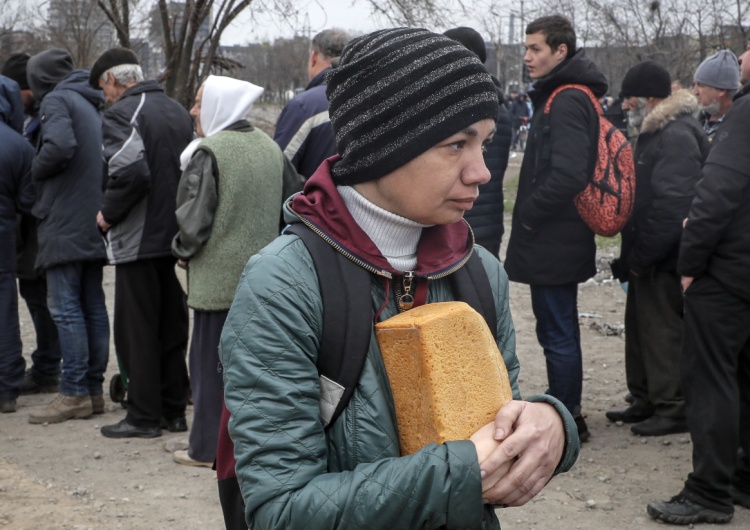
{"x":304,"y":131}
{"x":16,"y":190}
{"x":144,"y":134}
{"x":486,"y":217}
{"x":670,"y":152}
{"x":716,"y":239}
{"x":549,"y":242}
{"x":68,"y":170}
{"x":351,"y":475}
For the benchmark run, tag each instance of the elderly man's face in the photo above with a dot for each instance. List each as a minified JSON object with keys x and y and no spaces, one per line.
{"x":112,"y":91}
{"x":708,"y":97}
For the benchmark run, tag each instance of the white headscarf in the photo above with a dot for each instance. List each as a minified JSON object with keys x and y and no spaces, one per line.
{"x":225,"y":101}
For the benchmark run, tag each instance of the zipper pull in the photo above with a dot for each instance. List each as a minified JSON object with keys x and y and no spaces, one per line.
{"x":406,"y":300}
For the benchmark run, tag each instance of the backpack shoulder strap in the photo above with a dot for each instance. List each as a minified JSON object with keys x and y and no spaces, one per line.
{"x":347,"y":322}
{"x":470,"y":284}
{"x":546,"y":154}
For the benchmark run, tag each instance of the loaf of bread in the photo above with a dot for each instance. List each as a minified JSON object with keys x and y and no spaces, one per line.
{"x":447,"y":376}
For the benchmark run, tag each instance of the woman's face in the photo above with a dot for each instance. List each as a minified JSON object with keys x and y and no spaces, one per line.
{"x":195,"y":112}
{"x":439,"y":185}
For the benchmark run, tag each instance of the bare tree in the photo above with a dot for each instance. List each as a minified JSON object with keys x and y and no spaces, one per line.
{"x":80,"y":28}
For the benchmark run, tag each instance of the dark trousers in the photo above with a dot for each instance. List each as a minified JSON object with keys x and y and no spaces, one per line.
{"x":653,"y":339}
{"x":45,"y":358}
{"x":12,"y":363}
{"x":207,"y":384}
{"x":151,"y":329}
{"x":716,"y":381}
{"x":556,"y":311}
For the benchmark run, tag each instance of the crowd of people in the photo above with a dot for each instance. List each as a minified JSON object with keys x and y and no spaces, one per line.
{"x":394,"y":156}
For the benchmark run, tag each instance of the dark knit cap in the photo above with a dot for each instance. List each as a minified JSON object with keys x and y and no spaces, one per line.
{"x":15,"y":68}
{"x":647,"y":80}
{"x":398,"y":92}
{"x":470,"y":38}
{"x":109,"y":59}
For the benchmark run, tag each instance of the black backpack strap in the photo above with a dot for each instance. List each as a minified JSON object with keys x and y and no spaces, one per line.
{"x":347,"y":322}
{"x":470,"y":284}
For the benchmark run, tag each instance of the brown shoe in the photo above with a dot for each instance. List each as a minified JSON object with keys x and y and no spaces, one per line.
{"x":97,"y":404}
{"x":63,"y":408}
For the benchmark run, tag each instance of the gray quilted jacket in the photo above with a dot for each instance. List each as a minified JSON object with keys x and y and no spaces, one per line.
{"x":295,"y":475}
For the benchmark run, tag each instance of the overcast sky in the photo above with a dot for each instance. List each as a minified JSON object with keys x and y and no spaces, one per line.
{"x":352,"y":15}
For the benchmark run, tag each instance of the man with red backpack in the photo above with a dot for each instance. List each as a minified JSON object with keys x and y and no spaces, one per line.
{"x":551,"y":248}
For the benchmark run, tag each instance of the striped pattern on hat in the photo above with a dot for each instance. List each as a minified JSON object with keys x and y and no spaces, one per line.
{"x":398,"y":92}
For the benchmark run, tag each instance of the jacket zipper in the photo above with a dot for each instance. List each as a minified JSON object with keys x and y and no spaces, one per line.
{"x":405,"y":300}
{"x":343,"y":251}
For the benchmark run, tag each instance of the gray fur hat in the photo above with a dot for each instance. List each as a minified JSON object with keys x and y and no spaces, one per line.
{"x":721,"y":70}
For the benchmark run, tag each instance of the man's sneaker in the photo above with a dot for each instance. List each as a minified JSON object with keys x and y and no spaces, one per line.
{"x":181,"y":456}
{"x":740,"y":498}
{"x":660,"y":426}
{"x":33,"y":385}
{"x":583,"y":430}
{"x":681,"y":510}
{"x":97,"y":404}
{"x":8,"y":405}
{"x":63,"y":408}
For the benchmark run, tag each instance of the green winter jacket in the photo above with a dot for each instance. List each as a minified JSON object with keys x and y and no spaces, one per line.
{"x":295,"y":475}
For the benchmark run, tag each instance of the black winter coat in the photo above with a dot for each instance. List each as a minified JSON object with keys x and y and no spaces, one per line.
{"x":486,"y":217}
{"x":16,"y":191}
{"x":144,"y":134}
{"x":669,"y":154}
{"x":716,"y":240}
{"x":549,"y":242}
{"x":68,"y":172}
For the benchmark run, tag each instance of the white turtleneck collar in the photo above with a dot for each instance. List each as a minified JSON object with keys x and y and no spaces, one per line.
{"x":396,"y":237}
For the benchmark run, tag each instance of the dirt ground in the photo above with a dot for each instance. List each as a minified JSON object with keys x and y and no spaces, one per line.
{"x":67,"y":476}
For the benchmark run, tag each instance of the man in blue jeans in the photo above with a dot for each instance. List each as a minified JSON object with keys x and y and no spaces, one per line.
{"x":550,"y":247}
{"x":68,"y":175}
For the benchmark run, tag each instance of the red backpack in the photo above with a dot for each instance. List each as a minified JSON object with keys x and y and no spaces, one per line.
{"x":607,"y":202}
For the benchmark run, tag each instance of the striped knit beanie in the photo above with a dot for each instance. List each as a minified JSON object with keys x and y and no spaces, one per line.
{"x":398,"y":92}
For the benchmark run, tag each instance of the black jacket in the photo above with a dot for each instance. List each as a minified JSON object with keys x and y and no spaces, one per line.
{"x":716,"y":240}
{"x":670,"y":151}
{"x":549,"y":243}
{"x":486,"y":217}
{"x":68,"y":172}
{"x":144,"y":134}
{"x":304,"y":131}
{"x":16,"y":191}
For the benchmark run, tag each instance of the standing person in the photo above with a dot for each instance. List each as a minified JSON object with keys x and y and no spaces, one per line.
{"x":550,"y":247}
{"x":303,"y":130}
{"x":228,"y":207}
{"x":519,"y":114}
{"x":68,"y":175}
{"x":714,"y":262}
{"x":411,"y":164}
{"x":144,"y":134}
{"x":486,"y":217}
{"x":715,"y":84}
{"x":16,"y":196}
{"x":44,"y":374}
{"x":669,"y":154}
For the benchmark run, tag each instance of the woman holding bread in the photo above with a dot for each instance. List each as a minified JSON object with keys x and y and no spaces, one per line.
{"x":412,"y":111}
